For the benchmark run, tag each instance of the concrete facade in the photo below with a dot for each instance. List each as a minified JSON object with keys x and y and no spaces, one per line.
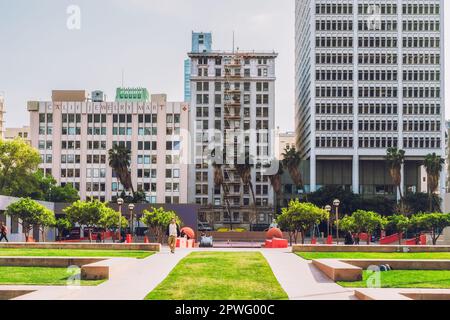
{"x":74,"y":134}
{"x":369,"y":75}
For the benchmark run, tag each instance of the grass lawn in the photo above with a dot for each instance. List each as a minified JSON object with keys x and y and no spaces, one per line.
{"x":375,"y":255}
{"x":220,"y":276}
{"x":38,"y":276}
{"x":76,"y":253}
{"x":423,"y":279}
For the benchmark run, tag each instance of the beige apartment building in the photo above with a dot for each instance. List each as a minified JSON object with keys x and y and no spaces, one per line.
{"x":15,"y":133}
{"x":284,"y":140}
{"x":74,"y":131}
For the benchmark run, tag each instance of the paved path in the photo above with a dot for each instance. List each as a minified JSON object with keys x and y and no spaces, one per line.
{"x":301,"y":280}
{"x":133,"y":279}
{"x":130,"y":279}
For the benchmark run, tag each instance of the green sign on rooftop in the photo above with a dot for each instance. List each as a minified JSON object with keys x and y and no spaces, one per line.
{"x":132,"y":95}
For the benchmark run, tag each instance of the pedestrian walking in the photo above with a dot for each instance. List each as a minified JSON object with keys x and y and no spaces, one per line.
{"x":3,"y":232}
{"x":173,"y":232}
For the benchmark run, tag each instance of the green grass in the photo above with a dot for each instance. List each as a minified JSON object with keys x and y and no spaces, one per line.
{"x":76,"y":253}
{"x":421,"y":279}
{"x":38,"y":276}
{"x":375,"y":255}
{"x":220,"y":276}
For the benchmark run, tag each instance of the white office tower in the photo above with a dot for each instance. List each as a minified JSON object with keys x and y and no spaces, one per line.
{"x":369,"y":76}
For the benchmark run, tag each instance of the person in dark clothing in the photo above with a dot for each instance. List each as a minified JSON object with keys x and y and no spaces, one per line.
{"x":349,"y":239}
{"x":3,"y":232}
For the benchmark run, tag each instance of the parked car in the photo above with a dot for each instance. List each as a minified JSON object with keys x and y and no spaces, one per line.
{"x":204,"y":227}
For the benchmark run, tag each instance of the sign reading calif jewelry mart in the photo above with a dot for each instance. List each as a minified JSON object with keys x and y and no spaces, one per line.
{"x":105,"y":107}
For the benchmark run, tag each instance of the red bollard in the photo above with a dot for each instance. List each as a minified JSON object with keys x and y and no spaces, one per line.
{"x":423,"y":240}
{"x":146,"y":240}
{"x":330,"y":240}
{"x":129,"y":238}
{"x":314,"y":241}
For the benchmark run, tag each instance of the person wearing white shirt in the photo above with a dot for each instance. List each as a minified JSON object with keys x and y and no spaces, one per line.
{"x":173,"y":232}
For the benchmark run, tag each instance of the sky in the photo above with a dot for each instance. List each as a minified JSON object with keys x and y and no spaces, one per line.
{"x":148,"y":39}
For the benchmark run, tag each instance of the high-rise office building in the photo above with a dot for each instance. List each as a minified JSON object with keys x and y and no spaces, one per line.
{"x":369,"y":76}
{"x":201,"y":42}
{"x":73,"y":135}
{"x":232,"y":119}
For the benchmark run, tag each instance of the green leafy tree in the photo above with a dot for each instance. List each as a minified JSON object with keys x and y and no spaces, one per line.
{"x":62,"y":224}
{"x":157,"y":221}
{"x":18,"y":161}
{"x":87,"y":214}
{"x":420,"y":202}
{"x":348,"y":224}
{"x":30,"y":213}
{"x":398,"y":224}
{"x":435,"y":223}
{"x":301,"y":217}
{"x":367,"y":222}
{"x":433,"y":166}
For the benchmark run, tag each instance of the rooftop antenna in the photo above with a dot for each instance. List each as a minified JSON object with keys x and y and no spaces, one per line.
{"x":123,"y":76}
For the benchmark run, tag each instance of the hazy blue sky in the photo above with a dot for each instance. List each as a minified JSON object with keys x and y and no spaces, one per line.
{"x":147,"y":38}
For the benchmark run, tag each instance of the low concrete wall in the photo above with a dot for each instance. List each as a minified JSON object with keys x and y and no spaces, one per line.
{"x":84,"y":246}
{"x":402,"y":264}
{"x":365,"y":248}
{"x":11,"y":294}
{"x":338,"y":270}
{"x":241,"y":236}
{"x":49,"y":262}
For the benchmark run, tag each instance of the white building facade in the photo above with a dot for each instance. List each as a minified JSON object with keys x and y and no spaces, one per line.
{"x":233,"y":113}
{"x":74,"y":134}
{"x":369,"y":76}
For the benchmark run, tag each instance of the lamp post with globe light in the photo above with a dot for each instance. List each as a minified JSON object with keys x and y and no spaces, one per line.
{"x":328,"y":209}
{"x":336,"y":204}
{"x":130,"y":209}
{"x":120,"y":203}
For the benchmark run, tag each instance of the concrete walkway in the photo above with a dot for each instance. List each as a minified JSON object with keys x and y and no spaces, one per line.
{"x":133,"y":279}
{"x":130,"y":279}
{"x":301,"y":280}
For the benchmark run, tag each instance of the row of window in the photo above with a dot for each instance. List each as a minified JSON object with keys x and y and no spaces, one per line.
{"x":378,"y":108}
{"x":379,"y":9}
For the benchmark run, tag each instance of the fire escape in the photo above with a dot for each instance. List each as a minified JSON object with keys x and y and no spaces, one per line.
{"x":232,"y":123}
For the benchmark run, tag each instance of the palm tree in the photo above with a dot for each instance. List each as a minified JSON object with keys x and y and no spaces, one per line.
{"x":275,"y":181}
{"x":433,"y":165}
{"x":396,"y":159}
{"x":291,"y":161}
{"x":244,"y":171}
{"x":119,"y":161}
{"x":219,"y":181}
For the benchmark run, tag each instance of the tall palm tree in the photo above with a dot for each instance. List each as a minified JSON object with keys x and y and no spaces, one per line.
{"x":291,"y":161}
{"x":119,"y":161}
{"x":219,"y":181}
{"x":395,"y":159}
{"x":434,"y":165}
{"x":244,"y":171}
{"x":275,"y":181}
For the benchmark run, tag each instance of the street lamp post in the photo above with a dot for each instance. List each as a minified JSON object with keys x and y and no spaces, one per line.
{"x":336,"y":203}
{"x":131,"y":208}
{"x":328,"y":209}
{"x":120,"y":203}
